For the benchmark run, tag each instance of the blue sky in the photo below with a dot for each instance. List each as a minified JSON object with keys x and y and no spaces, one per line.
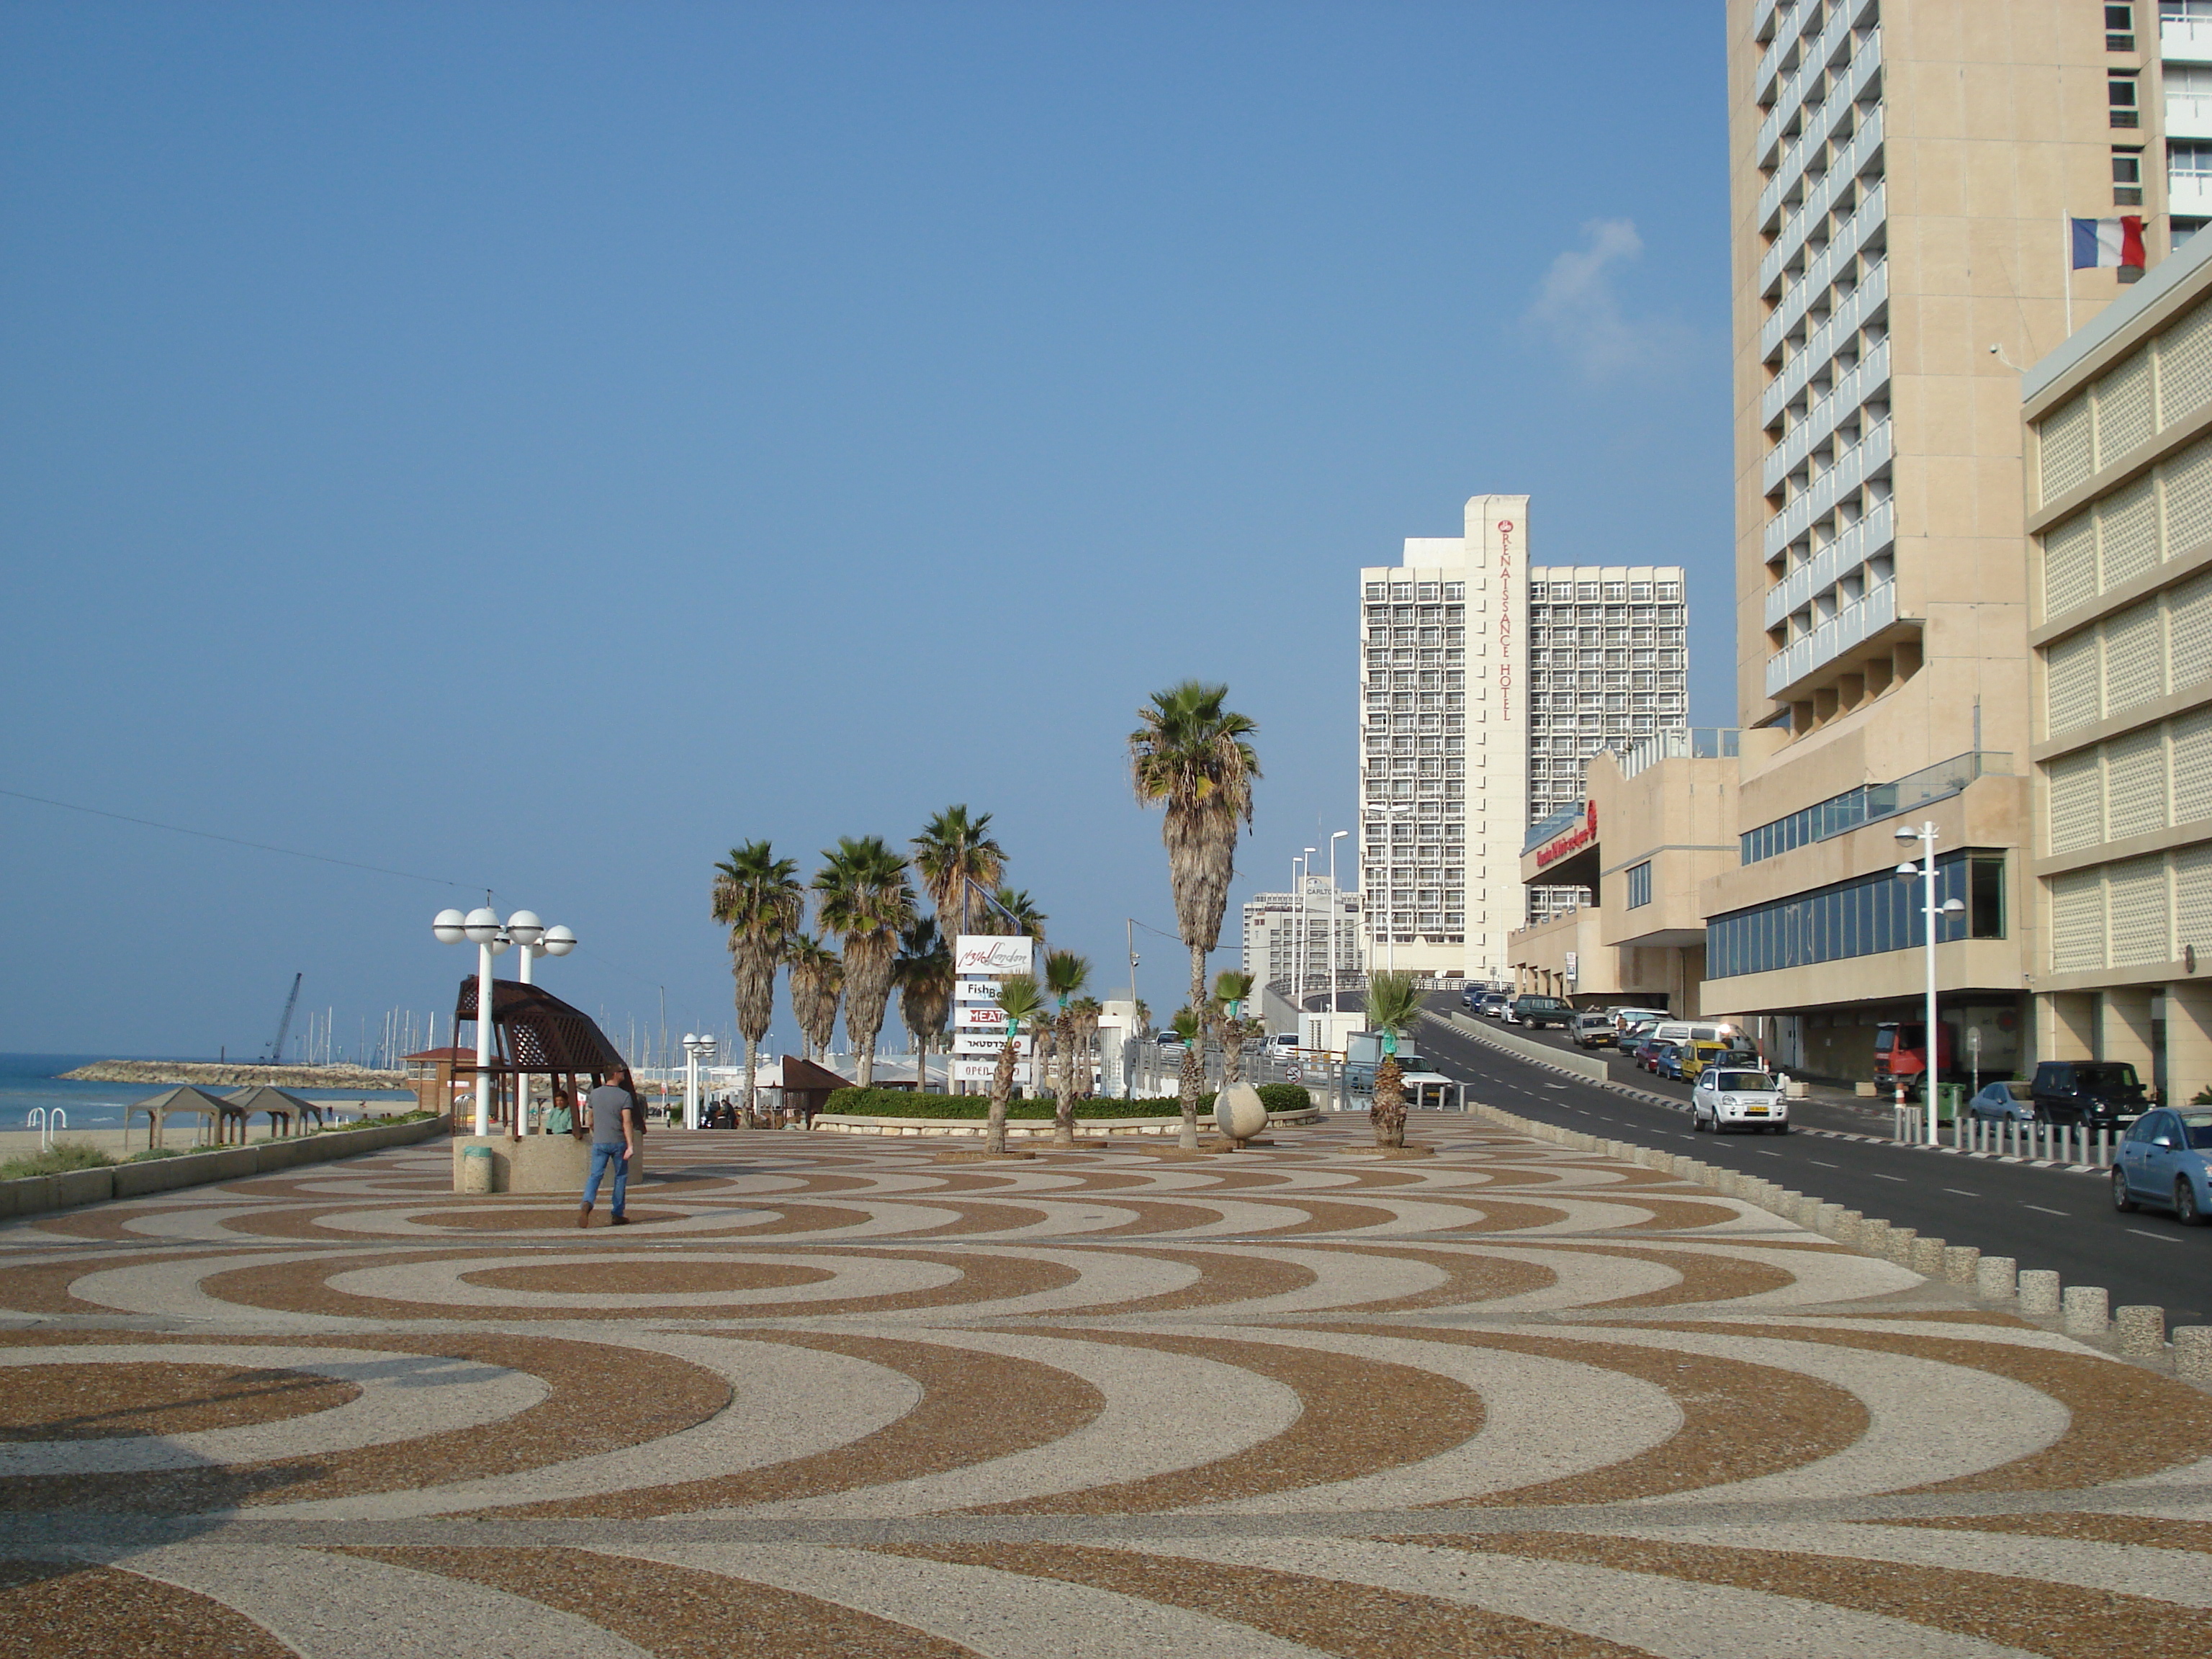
{"x":540,"y":446}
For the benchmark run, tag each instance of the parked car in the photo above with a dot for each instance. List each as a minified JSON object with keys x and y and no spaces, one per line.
{"x":1634,"y":1032}
{"x":1625,"y":1017}
{"x":2097,"y":1094}
{"x":2165,"y":1159}
{"x":1362,"y":1053}
{"x":1471,"y":998}
{"x":1593,"y":1031}
{"x":1642,"y":1049}
{"x":1493,"y":1004}
{"x":1734,"y":1097}
{"x":1538,"y":1011}
{"x":2010,"y":1100}
{"x":1277,"y":1041}
{"x":1661,"y":1057}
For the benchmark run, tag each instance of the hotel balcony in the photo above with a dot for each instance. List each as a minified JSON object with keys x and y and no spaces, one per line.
{"x":2185,"y":39}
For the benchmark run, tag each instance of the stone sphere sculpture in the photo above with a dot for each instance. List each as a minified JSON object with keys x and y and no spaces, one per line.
{"x":1239,"y":1111}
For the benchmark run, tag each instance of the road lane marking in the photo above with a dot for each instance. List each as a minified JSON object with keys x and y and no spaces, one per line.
{"x":1817,"y":1165}
{"x":2163,"y":1238}
{"x":1961,"y":1192}
{"x":1879,"y":1176}
{"x":2069,"y":1213}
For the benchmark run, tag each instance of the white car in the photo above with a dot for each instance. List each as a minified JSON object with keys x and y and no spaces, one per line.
{"x":1734,"y":1097}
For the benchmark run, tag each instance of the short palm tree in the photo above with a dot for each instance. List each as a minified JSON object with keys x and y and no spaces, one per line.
{"x":1392,"y":1004}
{"x":862,"y":895}
{"x":1086,"y":1011}
{"x":1231,"y":991}
{"x":953,"y":855}
{"x":1064,"y":975}
{"x":924,"y":974}
{"x":1023,"y":1003}
{"x":1191,"y":756}
{"x":757,"y":896}
{"x":818,"y":979}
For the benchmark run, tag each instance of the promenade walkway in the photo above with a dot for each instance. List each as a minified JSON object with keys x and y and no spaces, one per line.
{"x":840,"y":1399}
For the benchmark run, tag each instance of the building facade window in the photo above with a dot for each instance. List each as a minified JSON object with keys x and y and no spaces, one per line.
{"x":1859,"y":918}
{"x":1639,"y":885}
{"x":2120,"y":101}
{"x":2127,"y":178}
{"x":2119,"y":28}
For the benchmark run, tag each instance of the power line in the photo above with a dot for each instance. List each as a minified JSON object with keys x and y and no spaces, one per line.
{"x":209,"y":835}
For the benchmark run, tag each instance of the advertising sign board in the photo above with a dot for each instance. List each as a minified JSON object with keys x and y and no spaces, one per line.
{"x":975,"y":990}
{"x":979,"y":1017}
{"x":989,"y":1042}
{"x":990,"y":954}
{"x":983,"y":1070}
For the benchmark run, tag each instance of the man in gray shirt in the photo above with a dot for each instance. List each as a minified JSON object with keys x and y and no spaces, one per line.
{"x":614,"y":1142}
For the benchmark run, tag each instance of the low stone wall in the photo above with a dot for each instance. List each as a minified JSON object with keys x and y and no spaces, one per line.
{"x":1032,"y":1129}
{"x":1570,"y":1060}
{"x":538,"y":1163}
{"x":34,"y":1194}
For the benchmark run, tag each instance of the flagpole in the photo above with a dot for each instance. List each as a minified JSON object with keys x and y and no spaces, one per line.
{"x":2066,"y":265}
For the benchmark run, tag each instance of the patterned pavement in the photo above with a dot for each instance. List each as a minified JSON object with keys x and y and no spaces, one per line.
{"x":845,"y":1398}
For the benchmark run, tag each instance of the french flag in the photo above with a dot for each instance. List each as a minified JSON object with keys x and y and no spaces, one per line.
{"x":2113,"y":243}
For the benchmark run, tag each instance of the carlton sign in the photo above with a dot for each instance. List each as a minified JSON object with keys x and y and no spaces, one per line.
{"x":994,"y":956}
{"x":1571,"y":841}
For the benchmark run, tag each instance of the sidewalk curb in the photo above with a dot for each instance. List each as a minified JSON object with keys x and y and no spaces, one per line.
{"x":2137,"y":1335}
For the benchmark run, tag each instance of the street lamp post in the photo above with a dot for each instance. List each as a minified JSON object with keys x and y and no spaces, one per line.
{"x":1925,"y":870}
{"x":697,"y":1050}
{"x":483,"y":928}
{"x":1334,"y":903}
{"x":1297,"y":961}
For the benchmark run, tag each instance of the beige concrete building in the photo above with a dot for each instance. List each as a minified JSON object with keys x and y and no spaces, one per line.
{"x":1278,"y":932}
{"x":1443,"y":746}
{"x":1903,"y":171}
{"x":1659,"y":822}
{"x":2120,"y":503}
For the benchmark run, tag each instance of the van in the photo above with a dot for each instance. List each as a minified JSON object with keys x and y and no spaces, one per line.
{"x":1693,"y":1031}
{"x":1363,"y":1053}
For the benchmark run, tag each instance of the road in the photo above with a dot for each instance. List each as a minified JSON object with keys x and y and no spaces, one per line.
{"x":2042,"y":1218}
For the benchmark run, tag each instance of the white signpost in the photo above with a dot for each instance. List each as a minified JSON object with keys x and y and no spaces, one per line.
{"x":982,"y":961}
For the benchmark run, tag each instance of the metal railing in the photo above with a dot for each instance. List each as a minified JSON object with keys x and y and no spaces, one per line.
{"x":2056,"y":1143}
{"x":1692,"y":742}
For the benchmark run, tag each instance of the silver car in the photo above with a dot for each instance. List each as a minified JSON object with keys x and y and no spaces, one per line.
{"x":1734,"y":1097}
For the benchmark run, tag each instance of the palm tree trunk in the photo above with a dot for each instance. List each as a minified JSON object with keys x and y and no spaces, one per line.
{"x":1063,"y":1105}
{"x":1002,"y":1088}
{"x":1194,"y":1054}
{"x":752,"y":1050}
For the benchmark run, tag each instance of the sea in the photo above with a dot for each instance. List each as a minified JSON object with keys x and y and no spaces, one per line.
{"x":28,"y":1082}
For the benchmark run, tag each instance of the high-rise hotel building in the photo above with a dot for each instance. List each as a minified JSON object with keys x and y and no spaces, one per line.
{"x":1443,"y":746}
{"x":1607,"y":664}
{"x":1903,"y":171}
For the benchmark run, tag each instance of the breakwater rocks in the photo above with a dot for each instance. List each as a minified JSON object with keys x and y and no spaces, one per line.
{"x":236,"y":1075}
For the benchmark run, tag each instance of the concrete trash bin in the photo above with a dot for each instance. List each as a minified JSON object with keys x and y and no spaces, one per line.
{"x":476,"y":1169}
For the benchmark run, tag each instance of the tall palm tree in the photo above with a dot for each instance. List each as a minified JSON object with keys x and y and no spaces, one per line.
{"x":1191,"y":756}
{"x":1086,"y":1011}
{"x":1023,"y":1003}
{"x":817,"y":979}
{"x":1392,"y":1004}
{"x":923,"y":972}
{"x":757,"y":896}
{"x":1231,"y":990}
{"x":863,"y":896}
{"x":1065,"y":974}
{"x":953,"y":850}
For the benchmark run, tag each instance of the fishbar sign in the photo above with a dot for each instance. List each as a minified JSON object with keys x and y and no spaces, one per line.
{"x":1572,"y":841}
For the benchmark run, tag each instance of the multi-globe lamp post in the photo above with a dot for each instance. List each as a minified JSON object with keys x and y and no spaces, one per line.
{"x":483,"y":928}
{"x":1925,"y":873}
{"x":698,"y":1052}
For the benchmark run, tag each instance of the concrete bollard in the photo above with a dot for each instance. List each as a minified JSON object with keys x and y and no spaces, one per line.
{"x":1851,"y":1229}
{"x":2140,"y":1331}
{"x":1900,"y":1241}
{"x":1827,"y":1218}
{"x":1961,"y":1263}
{"x":1928,"y":1257}
{"x":1873,"y":1236}
{"x":2086,"y":1312}
{"x":476,"y":1168}
{"x":2038,"y":1293}
{"x":2192,"y":1353}
{"x":1995,"y":1277}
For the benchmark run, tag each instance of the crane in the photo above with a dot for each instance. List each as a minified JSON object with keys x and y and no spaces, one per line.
{"x":284,"y":1026}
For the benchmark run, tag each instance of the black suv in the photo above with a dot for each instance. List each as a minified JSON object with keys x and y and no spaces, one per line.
{"x":1542,"y":1011}
{"x":2098,"y":1094}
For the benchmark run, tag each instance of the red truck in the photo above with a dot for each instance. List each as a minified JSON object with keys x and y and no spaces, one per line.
{"x":1900,"y":1055}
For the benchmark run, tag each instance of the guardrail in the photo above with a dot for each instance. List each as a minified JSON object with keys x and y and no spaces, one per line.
{"x":1565,"y":1060}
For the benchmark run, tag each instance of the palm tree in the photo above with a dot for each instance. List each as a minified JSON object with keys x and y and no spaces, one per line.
{"x":1021,"y":1002}
{"x":1085,"y":1010}
{"x":864,"y":897}
{"x":1190,"y":755}
{"x":1016,"y":916}
{"x":1392,"y":1004}
{"x":924,"y":975}
{"x":953,"y":851}
{"x":1231,"y":990}
{"x":757,"y":896}
{"x":1065,"y":974}
{"x":817,"y":978}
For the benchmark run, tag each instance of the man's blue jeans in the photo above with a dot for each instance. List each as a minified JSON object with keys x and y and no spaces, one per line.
{"x":606,"y":1155}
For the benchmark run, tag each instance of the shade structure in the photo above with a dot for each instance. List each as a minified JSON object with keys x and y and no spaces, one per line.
{"x":184,"y":1101}
{"x":535,"y":1034}
{"x":282,"y":1106}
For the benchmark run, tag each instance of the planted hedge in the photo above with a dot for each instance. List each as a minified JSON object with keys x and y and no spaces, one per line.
{"x":905,"y":1103}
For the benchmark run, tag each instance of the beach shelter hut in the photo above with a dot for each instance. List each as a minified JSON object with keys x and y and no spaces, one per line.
{"x":215,"y":1113}
{"x":287,"y":1112}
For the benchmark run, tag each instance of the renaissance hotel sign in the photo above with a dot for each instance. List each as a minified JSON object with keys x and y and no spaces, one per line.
{"x":1569,"y":840}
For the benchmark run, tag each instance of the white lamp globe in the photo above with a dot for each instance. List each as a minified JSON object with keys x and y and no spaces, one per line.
{"x":1951,"y":907}
{"x":1906,"y":832}
{"x":502,"y":944}
{"x":449,"y":926}
{"x":1908,"y":870}
{"x":524,"y":927}
{"x":558,"y":942}
{"x":481,"y":925}
{"x":690,"y":1039}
